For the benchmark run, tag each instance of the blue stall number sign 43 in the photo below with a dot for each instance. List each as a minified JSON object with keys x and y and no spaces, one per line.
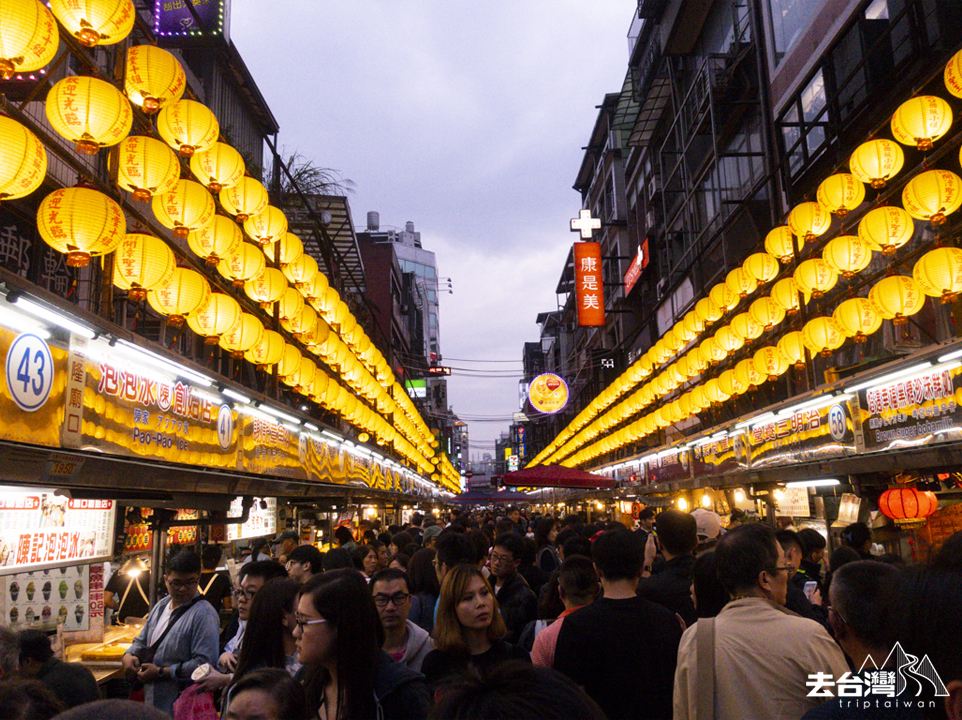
{"x":30,"y":373}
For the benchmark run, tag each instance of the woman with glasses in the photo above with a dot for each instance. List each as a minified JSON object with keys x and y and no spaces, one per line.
{"x":269,"y":638}
{"x":346,"y":674}
{"x":468,"y":629}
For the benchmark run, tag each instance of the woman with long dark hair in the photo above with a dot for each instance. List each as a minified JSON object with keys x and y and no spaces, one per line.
{"x":545,"y":534}
{"x":425,"y":588}
{"x":269,"y":638}
{"x":468,"y":629}
{"x":346,"y":674}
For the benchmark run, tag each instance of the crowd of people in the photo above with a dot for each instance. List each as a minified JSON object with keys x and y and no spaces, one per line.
{"x":484,"y":616}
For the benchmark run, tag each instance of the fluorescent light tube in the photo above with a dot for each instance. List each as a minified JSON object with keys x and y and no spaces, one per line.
{"x":22,"y":323}
{"x":755,"y":420}
{"x":951,"y":356}
{"x":236,"y":396}
{"x":826,"y":482}
{"x":135,"y":352}
{"x":56,"y":318}
{"x":897,"y":375}
{"x":332,"y":436}
{"x":311,"y":426}
{"x":279,"y":414}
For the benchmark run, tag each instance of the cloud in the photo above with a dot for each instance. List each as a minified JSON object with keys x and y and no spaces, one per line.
{"x":466,"y":118}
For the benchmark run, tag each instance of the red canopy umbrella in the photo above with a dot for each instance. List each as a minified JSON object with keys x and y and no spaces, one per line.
{"x":556,"y":476}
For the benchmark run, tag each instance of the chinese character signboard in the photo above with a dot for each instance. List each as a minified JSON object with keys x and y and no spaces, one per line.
{"x":804,"y":436}
{"x":637,"y":266}
{"x":40,"y":529}
{"x":674,"y":464}
{"x":548,"y":394}
{"x":261,"y":520}
{"x":917,"y":411}
{"x":172,"y":18}
{"x":589,"y":285}
{"x":719,"y":456}
{"x":130,"y":410}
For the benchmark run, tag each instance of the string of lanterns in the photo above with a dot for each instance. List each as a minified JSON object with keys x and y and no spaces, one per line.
{"x":83,"y":223}
{"x":930,"y":196}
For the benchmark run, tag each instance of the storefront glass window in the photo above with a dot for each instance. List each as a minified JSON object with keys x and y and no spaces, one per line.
{"x":790,"y":18}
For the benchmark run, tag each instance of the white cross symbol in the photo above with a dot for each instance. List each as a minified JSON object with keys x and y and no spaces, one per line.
{"x":585,"y":224}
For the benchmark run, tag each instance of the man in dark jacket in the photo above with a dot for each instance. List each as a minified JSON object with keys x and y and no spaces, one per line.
{"x":73,"y":684}
{"x":671,"y":587}
{"x":795,"y":599}
{"x":518,"y":603}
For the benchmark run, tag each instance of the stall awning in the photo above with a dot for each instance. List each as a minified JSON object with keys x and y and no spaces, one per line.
{"x":556,"y":476}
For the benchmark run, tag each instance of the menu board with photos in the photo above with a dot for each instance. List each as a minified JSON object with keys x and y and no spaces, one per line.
{"x":39,"y":529}
{"x":261,"y":521}
{"x":44,"y":598}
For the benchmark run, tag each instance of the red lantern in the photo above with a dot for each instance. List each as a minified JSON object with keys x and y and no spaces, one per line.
{"x":907,"y":505}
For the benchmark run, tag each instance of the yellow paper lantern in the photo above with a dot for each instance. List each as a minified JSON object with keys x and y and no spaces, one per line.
{"x":287,"y":249}
{"x":747,"y":375}
{"x":841,"y":193}
{"x":315,"y":287}
{"x":724,"y":296}
{"x":683,"y":333}
{"x":822,"y":335}
{"x":921,"y":120}
{"x":266,"y":288}
{"x":304,"y":322}
{"x":766,"y":312}
{"x":685,"y":405}
{"x":809,"y":220}
{"x":707,"y":311}
{"x":218,"y":240}
{"x":23,"y":160}
{"x":939,"y":273}
{"x":248,"y":197}
{"x":693,"y":323}
{"x":769,"y":362}
{"x":699,"y":399}
{"x":145,"y":167}
{"x":886,"y":228}
{"x":314,"y":336}
{"x":697,"y":363}
{"x":762,"y":267}
{"x":188,"y":126}
{"x":711,"y":351}
{"x":933,"y":195}
{"x":28,"y":37}
{"x":218,"y":316}
{"x":792,"y":347}
{"x":301,"y":271}
{"x":245,"y":263}
{"x":658,"y":352}
{"x":857,"y":318}
{"x":779,"y":243}
{"x":682,"y":366}
{"x":728,"y":340}
{"x":671,"y":340}
{"x":219,"y":166}
{"x":290,"y":303}
{"x":745,"y":327}
{"x":897,"y":298}
{"x":243,"y":336}
{"x":88,"y":112}
{"x":187,"y":208}
{"x":847,"y":254}
{"x":142,"y":263}
{"x":96,"y":22}
{"x":877,"y":161}
{"x":266,"y":227}
{"x":153,"y":78}
{"x":267,"y":351}
{"x":290,"y":361}
{"x":741,"y":282}
{"x":785,"y":295}
{"x":953,"y":75}
{"x":730,"y":385}
{"x":305,"y":376}
{"x":714,"y":392}
{"x":815,"y":276}
{"x":82,"y":223}
{"x":186,"y":293}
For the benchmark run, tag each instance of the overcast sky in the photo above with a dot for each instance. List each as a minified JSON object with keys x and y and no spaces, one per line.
{"x":467,"y":119}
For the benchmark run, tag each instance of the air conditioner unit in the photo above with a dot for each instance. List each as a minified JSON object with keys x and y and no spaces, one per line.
{"x":662,"y":287}
{"x":654,"y":186}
